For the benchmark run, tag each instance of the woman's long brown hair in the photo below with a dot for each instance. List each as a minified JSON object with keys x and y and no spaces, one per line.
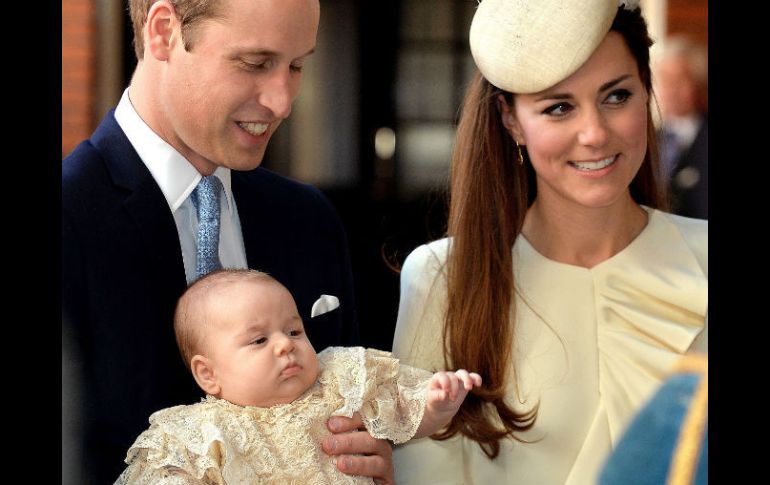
{"x":490,"y":194}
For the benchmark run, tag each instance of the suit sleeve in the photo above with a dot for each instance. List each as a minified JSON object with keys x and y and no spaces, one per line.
{"x":74,"y":309}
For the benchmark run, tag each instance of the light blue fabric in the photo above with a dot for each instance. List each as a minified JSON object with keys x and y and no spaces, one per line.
{"x":205,"y":198}
{"x":644,"y":454}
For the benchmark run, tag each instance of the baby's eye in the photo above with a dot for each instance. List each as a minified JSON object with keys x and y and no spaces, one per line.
{"x":295,"y":333}
{"x":260,"y":341}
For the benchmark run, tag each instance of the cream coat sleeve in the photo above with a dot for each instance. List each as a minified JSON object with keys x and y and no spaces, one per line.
{"x":417,"y":342}
{"x":422,"y":307}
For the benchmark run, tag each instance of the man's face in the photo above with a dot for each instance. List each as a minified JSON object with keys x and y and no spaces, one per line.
{"x":223,"y":100}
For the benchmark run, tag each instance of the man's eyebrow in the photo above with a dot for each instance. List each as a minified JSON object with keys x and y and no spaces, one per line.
{"x":270,"y":53}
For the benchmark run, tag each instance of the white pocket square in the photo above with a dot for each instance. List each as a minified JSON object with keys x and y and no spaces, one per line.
{"x":324,"y":304}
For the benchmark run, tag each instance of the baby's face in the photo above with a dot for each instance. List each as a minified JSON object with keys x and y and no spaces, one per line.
{"x":257,"y":345}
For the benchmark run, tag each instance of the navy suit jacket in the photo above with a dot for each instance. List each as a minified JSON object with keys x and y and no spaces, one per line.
{"x":122,"y":273}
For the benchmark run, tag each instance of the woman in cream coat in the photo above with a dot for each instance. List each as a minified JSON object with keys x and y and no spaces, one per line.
{"x":562,"y":282}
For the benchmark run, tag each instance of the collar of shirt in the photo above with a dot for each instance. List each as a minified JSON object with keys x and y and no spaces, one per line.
{"x":175,"y":176}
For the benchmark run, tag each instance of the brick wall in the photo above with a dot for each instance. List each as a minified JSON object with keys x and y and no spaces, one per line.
{"x":77,"y":71}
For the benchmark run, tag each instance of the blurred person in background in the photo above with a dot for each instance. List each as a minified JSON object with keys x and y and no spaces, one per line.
{"x":680,"y":74}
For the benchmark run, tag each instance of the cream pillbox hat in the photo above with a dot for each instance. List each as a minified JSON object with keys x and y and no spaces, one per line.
{"x":527,"y":46}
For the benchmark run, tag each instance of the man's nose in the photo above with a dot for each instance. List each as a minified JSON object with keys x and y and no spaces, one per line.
{"x":277,"y":93}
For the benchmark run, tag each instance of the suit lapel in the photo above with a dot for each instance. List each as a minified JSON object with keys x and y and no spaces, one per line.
{"x":150,"y":221}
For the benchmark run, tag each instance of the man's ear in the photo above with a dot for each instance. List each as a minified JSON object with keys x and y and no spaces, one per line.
{"x":509,"y":120}
{"x":204,"y":374}
{"x":159,"y":29}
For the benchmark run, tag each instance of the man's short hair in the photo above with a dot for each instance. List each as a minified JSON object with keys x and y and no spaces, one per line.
{"x":189,"y":12}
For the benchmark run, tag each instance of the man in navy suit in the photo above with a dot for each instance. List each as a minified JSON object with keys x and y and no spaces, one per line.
{"x":213,"y":82}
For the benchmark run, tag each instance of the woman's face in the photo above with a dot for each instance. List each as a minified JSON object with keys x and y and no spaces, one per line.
{"x":586,"y":136}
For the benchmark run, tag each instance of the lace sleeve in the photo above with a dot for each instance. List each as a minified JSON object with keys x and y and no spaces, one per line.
{"x":176,"y":449}
{"x":395,"y":399}
{"x":390,"y":397}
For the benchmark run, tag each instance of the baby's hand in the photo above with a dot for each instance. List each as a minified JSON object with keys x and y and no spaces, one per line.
{"x":447,"y":390}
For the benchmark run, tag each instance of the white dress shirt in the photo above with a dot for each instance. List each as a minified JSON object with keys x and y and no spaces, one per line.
{"x":177,"y":178}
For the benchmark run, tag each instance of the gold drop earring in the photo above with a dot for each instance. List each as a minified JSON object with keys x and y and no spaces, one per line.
{"x":518,"y":150}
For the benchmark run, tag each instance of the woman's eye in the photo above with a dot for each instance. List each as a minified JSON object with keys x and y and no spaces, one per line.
{"x":559,"y":109}
{"x":619,"y":96}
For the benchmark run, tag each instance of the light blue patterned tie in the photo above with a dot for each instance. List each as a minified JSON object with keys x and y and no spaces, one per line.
{"x":205,"y":198}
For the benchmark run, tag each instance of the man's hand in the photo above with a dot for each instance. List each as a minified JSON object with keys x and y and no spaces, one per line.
{"x":357,"y":452}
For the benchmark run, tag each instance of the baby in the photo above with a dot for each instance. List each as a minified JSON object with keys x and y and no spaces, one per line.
{"x":269,"y":395}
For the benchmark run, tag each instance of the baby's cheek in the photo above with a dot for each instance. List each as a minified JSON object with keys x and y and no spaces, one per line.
{"x":314,"y":367}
